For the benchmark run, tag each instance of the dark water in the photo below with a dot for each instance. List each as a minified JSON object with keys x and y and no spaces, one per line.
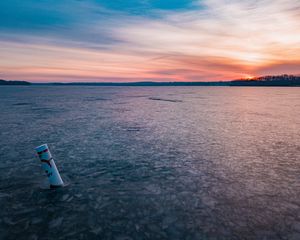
{"x":151,"y":163}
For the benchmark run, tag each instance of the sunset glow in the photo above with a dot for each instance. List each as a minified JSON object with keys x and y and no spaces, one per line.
{"x":249,"y":77}
{"x":167,"y":41}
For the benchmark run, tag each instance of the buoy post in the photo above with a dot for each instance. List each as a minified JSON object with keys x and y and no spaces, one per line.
{"x":49,"y":166}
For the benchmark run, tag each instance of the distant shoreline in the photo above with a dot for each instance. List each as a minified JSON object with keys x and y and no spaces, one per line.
{"x":266,"y":81}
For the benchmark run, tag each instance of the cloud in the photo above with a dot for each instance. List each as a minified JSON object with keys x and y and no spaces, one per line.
{"x":189,"y":41}
{"x":251,"y":34}
{"x":230,"y":36}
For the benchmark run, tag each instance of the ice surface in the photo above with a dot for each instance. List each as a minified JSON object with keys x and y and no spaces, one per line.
{"x":56,"y":222}
{"x":212,"y":163}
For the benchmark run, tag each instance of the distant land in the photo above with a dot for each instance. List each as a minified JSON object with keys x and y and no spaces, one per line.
{"x":279,"y":81}
{"x":4,"y":82}
{"x":265,"y":81}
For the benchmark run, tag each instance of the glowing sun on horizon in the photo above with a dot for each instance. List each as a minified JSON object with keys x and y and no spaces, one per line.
{"x":249,"y":77}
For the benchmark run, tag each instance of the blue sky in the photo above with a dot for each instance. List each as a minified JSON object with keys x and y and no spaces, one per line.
{"x":32,"y":14}
{"x":70,"y":19}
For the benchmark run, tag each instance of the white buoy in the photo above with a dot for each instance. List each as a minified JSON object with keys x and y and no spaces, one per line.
{"x":49,"y":166}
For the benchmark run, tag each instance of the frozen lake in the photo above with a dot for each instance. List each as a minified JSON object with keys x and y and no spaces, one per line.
{"x":151,"y":162}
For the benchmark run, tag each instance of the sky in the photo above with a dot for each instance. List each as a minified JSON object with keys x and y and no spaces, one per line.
{"x":148,"y":40}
